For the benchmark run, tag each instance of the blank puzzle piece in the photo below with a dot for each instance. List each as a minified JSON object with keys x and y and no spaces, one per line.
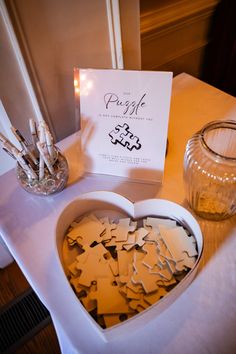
{"x":165,"y":272}
{"x":106,"y":235}
{"x":140,"y":234}
{"x":153,"y":235}
{"x":109,"y":299}
{"x":124,"y":260}
{"x":123,"y":228}
{"x":89,"y":304}
{"x":154,"y":297}
{"x":177,"y":241}
{"x":86,"y":231}
{"x":112,"y":320}
{"x":144,"y":277}
{"x":150,"y":259}
{"x":156,"y":222}
{"x":98,"y":250}
{"x":93,"y":269}
{"x":78,"y":287}
{"x":139,"y":305}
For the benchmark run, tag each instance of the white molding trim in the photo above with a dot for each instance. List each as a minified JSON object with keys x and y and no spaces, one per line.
{"x":20,"y":60}
{"x":5,"y":122}
{"x":114,"y":28}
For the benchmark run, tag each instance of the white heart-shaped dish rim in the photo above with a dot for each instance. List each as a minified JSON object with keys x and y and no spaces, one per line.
{"x":105,"y":200}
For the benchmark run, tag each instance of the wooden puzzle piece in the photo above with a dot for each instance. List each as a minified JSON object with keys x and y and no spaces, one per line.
{"x":109,"y":299}
{"x":109,"y":227}
{"x":150,"y":259}
{"x":124,"y":260}
{"x":144,"y":277}
{"x":111,"y":242}
{"x":139,"y":305}
{"x":89,"y":304}
{"x":130,"y":243}
{"x":128,"y":247}
{"x":78,"y":287}
{"x":186,"y":262}
{"x":123,"y":289}
{"x":164,"y":253}
{"x":177,"y":241}
{"x":85,"y":219}
{"x":154,"y":297}
{"x":86,"y":231}
{"x":119,"y":246}
{"x":172,"y":265}
{"x":71,"y":242}
{"x":125,"y":278}
{"x":138,"y":255}
{"x":123,"y":228}
{"x":140,"y":235}
{"x":153,"y":235}
{"x":98,"y":250}
{"x":137,"y":288}
{"x":73,"y":269}
{"x":112,"y":320}
{"x":113,"y":264}
{"x":165,"y":272}
{"x":93,"y":269}
{"x":166,"y":283}
{"x":132,"y":295}
{"x":156,"y":222}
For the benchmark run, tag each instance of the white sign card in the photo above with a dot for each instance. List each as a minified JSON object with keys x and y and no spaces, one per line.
{"x":124,"y":122}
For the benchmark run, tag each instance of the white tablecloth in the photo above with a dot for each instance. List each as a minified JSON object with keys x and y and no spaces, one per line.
{"x":203,"y":318}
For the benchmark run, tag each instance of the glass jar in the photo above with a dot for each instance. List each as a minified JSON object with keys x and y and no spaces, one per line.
{"x":210,"y":170}
{"x":51,"y":182}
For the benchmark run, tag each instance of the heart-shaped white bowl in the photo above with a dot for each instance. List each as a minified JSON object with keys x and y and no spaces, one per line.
{"x":116,"y":204}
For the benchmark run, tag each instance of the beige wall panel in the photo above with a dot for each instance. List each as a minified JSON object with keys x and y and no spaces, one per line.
{"x":175,"y":42}
{"x":174,"y":34}
{"x":59,"y":35}
{"x":190,"y":63}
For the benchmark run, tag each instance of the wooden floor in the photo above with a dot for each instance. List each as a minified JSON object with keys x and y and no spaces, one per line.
{"x":12,"y":284}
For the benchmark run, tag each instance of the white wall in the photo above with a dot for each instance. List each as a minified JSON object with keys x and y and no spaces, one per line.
{"x":57,"y":35}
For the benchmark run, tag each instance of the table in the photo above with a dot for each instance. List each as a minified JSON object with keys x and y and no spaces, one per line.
{"x":203,"y":318}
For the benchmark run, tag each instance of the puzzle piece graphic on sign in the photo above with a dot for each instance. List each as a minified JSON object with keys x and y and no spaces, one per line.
{"x":124,"y":137}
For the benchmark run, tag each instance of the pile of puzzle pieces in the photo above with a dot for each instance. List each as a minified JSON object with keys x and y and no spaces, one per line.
{"x":124,"y":267}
